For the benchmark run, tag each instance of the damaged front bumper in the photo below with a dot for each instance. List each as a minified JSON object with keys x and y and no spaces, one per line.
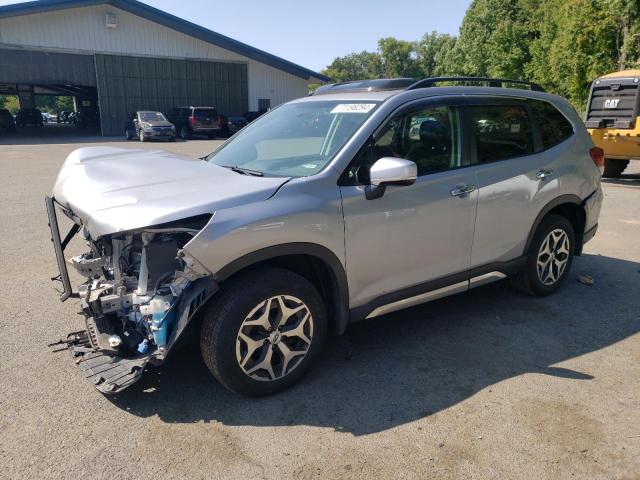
{"x":140,"y":293}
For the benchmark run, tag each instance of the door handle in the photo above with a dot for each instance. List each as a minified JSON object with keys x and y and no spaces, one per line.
{"x":460,"y":190}
{"x":544,"y":173}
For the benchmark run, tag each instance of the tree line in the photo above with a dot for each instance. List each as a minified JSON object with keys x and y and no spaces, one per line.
{"x":46,"y":103}
{"x":560,"y":44}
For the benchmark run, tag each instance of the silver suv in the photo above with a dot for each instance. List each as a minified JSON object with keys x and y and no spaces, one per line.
{"x":363,"y":199}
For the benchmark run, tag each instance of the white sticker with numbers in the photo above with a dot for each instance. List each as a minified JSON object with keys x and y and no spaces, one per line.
{"x":353,"y":108}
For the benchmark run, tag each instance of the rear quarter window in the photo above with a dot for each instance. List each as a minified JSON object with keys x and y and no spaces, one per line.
{"x":553,"y":125}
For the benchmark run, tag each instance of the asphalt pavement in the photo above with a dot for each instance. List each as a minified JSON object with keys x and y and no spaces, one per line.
{"x":486,"y":384}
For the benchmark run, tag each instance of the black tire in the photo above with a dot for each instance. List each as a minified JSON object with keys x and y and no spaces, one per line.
{"x":528,"y":281}
{"x":172,"y":139}
{"x":614,"y":168}
{"x":127,"y":134}
{"x":230,"y":307}
{"x":184,"y":133}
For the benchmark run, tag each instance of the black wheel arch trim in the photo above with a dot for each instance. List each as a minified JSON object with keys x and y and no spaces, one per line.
{"x":562,"y":199}
{"x":320,"y":252}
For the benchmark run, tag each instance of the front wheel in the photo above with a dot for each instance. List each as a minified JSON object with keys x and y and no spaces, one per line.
{"x":549,"y":259}
{"x":184,"y":133}
{"x":262,"y":331}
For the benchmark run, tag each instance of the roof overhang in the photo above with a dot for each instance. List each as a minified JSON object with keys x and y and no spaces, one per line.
{"x":170,"y":21}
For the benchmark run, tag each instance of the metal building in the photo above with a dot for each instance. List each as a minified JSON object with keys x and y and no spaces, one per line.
{"x":126,"y":55}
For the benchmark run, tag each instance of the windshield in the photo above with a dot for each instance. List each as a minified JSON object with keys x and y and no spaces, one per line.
{"x":152,"y":117}
{"x":296,"y":139}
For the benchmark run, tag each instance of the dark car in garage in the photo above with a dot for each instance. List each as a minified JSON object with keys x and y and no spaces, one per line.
{"x":149,"y":125}
{"x":251,"y":116}
{"x":235,"y":123}
{"x":63,"y":117}
{"x":197,"y":121}
{"x":87,"y":117}
{"x":29,"y":116}
{"x":7,"y":123}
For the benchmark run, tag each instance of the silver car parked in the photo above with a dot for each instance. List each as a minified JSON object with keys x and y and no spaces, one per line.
{"x":363,"y":199}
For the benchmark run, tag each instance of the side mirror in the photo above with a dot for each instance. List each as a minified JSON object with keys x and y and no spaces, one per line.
{"x":390,"y":171}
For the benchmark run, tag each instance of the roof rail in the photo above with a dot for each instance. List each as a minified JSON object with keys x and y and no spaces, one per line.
{"x":372,"y":85}
{"x":490,"y":82}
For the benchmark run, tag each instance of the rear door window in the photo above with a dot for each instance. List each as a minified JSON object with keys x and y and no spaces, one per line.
{"x":500,"y":132}
{"x":553,"y":125}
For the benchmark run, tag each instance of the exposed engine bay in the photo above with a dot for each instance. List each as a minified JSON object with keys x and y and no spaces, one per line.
{"x":140,"y":292}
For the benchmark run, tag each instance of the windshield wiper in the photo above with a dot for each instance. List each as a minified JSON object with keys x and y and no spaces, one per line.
{"x":247,"y":171}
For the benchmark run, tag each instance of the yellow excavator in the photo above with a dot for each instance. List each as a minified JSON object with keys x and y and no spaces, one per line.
{"x":613,"y":119}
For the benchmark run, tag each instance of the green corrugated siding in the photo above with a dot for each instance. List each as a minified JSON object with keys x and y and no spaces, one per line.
{"x":127,"y":84}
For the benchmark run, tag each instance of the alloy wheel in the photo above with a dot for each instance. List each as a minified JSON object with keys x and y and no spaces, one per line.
{"x":274,"y":338}
{"x":553,"y":256}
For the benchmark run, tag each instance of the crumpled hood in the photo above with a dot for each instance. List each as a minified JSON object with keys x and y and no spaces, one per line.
{"x":117,"y":189}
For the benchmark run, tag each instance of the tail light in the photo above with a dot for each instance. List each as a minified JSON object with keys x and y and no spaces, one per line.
{"x":192,"y":120}
{"x":597,"y":155}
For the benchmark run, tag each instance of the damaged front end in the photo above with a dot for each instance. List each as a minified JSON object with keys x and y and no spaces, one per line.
{"x":141,"y":291}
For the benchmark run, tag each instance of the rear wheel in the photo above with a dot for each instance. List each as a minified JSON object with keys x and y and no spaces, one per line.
{"x":184,"y":133}
{"x":263,"y":331}
{"x":614,"y":168}
{"x":549,"y":259}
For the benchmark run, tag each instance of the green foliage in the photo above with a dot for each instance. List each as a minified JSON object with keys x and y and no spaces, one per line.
{"x":561,"y":44}
{"x":355,"y":66}
{"x":54,"y":104}
{"x":434,"y":52}
{"x":398,"y":58}
{"x":10,"y":102}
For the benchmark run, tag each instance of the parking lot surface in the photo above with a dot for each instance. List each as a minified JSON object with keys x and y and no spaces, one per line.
{"x":486,"y":384}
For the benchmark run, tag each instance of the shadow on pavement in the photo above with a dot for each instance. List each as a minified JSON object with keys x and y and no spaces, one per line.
{"x":53,"y":134}
{"x":631,"y":179}
{"x":409,"y":365}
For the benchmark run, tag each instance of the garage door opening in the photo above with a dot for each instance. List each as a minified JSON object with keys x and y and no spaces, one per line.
{"x":46,"y":85}
{"x":49,"y":113}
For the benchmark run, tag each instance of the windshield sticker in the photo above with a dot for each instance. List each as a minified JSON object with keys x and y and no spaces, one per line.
{"x":353,"y":108}
{"x":310,"y":165}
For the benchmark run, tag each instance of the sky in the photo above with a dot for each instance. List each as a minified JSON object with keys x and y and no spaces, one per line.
{"x":312,"y":34}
